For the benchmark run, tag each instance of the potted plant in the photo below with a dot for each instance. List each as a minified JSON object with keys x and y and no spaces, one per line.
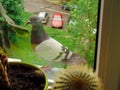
{"x":22,"y":76}
{"x":17,"y":75}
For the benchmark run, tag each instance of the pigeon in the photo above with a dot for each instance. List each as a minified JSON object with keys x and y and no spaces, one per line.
{"x":49,"y":49}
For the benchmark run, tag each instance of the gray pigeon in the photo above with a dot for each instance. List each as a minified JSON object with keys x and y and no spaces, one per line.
{"x":48,"y":48}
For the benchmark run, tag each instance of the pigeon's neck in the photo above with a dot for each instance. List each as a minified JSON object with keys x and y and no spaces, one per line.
{"x":38,"y":34}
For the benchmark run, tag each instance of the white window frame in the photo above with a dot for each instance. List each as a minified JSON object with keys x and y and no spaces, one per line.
{"x":108,"y":49}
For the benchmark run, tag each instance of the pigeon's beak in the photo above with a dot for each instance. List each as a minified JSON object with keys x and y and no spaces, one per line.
{"x":28,"y":22}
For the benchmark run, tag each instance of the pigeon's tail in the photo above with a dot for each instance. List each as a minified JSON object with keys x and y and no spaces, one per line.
{"x":68,"y":57}
{"x":74,"y":59}
{"x":64,"y":54}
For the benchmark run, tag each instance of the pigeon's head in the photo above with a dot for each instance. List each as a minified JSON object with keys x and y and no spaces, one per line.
{"x":34,"y":19}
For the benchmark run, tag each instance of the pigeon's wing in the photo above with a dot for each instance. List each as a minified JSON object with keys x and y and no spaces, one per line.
{"x":50,"y":50}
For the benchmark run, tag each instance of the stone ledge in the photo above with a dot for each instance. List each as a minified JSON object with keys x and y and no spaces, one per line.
{"x":14,"y":60}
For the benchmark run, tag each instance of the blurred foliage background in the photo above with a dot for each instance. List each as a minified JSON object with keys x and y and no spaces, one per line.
{"x":80,"y":35}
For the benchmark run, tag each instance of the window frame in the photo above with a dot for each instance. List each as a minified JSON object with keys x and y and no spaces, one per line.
{"x":108,"y":45}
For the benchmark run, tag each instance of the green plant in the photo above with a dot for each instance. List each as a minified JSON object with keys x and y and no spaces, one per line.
{"x":8,"y":25}
{"x":83,"y":28}
{"x":14,"y":9}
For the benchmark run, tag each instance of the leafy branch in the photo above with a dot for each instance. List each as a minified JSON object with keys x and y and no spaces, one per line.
{"x":6,"y":26}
